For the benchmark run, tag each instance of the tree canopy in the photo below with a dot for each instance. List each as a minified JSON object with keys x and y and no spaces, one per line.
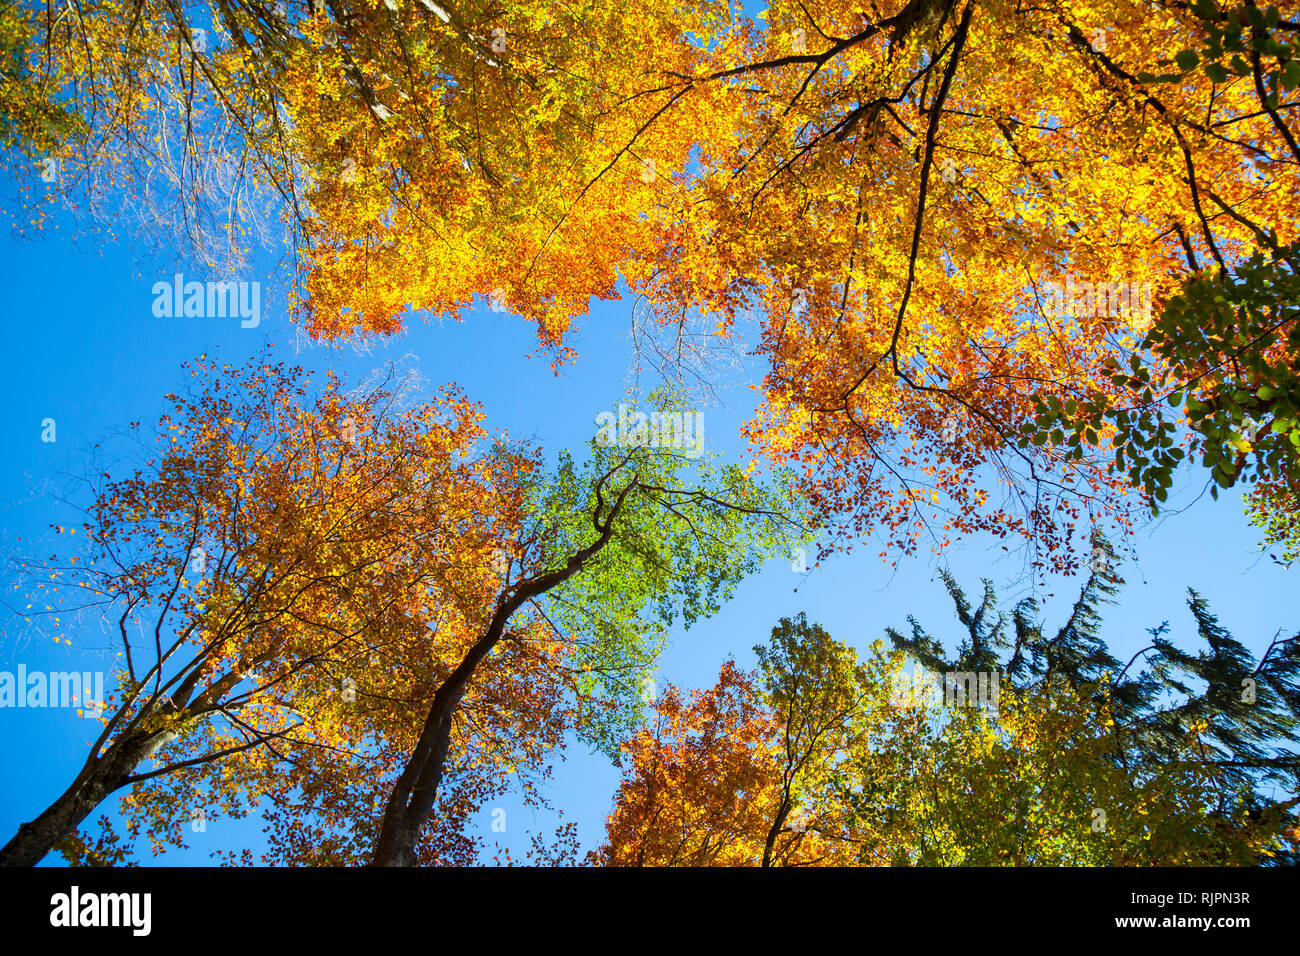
{"x":1009,"y":270}
{"x":1074,"y":758}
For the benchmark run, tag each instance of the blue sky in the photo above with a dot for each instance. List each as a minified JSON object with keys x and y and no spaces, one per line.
{"x":85,"y":349}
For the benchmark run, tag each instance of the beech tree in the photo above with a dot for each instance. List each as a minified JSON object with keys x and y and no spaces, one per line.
{"x":928,"y":239}
{"x":749,"y":772}
{"x":337,"y":601}
{"x":615,"y":553}
{"x":270,"y":546}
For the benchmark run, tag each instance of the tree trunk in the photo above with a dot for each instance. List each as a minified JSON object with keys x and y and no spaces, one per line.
{"x":782,"y":811}
{"x":96,"y":781}
{"x":409,"y":805}
{"x":411,"y":801}
{"x":416,"y":789}
{"x":35,"y":839}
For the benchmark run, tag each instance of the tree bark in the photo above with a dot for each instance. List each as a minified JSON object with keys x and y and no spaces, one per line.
{"x":413,"y":795}
{"x":97,"y":780}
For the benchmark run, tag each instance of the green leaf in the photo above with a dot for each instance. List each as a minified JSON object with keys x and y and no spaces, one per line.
{"x":1187,"y":60}
{"x":1291,"y":75}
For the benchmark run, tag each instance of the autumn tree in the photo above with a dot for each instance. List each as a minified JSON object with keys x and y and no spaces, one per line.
{"x":700,"y":782}
{"x":613,"y":554}
{"x":958,"y":238}
{"x":558,"y":634}
{"x":1228,"y":338}
{"x":973,"y":290}
{"x":749,"y":772}
{"x":359,"y":607}
{"x":1230,"y":343}
{"x":421,"y":154}
{"x":325,"y":808}
{"x":928,"y":238}
{"x":273,"y":549}
{"x":30,"y":116}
